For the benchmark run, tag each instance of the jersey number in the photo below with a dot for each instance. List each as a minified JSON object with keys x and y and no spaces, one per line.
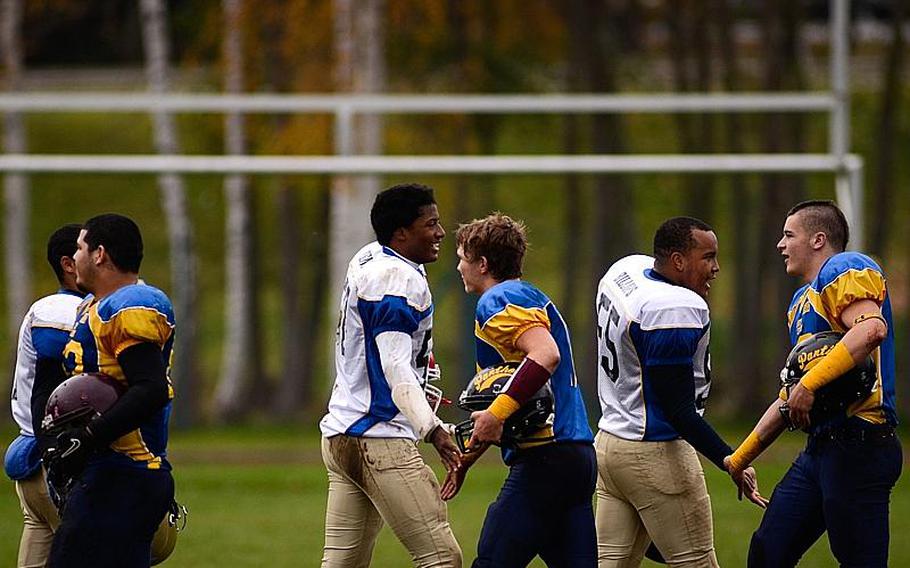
{"x":609,"y":362}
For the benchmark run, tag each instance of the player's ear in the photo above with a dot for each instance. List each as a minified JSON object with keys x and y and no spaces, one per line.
{"x":678,"y":261}
{"x":818,"y":240}
{"x":101,"y":255}
{"x":68,"y":264}
{"x":483,"y":265}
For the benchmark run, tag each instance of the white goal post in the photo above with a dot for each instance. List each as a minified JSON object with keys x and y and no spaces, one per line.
{"x":848,"y":168}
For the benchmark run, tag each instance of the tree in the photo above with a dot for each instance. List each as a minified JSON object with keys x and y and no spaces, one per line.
{"x":239,"y":355}
{"x":17,"y":205}
{"x":780,"y":28}
{"x":886,"y":134}
{"x":747,"y":315}
{"x":360,"y":67}
{"x":173,"y":195}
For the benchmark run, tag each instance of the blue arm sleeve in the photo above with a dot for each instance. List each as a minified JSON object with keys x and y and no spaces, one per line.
{"x":391,"y":313}
{"x":49,"y":342}
{"x":674,"y":386}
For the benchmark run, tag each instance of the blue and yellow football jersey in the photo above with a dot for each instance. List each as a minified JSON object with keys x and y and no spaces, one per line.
{"x":843,"y":279}
{"x":104,"y":329}
{"x":504,"y":312}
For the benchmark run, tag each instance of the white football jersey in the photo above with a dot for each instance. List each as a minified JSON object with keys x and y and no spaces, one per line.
{"x":644,"y":320}
{"x":382,"y":292}
{"x":44,"y":332}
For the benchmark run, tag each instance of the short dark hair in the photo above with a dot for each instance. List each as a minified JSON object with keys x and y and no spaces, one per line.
{"x":824,"y":216}
{"x":62,"y":242}
{"x":398,"y":206}
{"x":120,"y":237}
{"x":499,"y":238}
{"x":675,"y":235}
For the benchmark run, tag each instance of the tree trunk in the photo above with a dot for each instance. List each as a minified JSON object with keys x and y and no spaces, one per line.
{"x":886,"y":135}
{"x":750,"y":390}
{"x":776,"y":199}
{"x":239,"y":354}
{"x":360,"y":67}
{"x":17,"y":209}
{"x":183,"y":262}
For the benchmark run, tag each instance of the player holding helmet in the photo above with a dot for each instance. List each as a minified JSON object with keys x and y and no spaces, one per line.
{"x":124,"y":330}
{"x":544,"y":507}
{"x":379,"y":407}
{"x":841,"y":483}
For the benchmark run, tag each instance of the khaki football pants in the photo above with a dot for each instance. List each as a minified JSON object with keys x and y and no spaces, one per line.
{"x":372,"y":480}
{"x":41,"y":520}
{"x":651,"y":490}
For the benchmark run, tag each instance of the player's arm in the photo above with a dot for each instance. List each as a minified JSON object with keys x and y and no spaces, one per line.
{"x":768,"y":428}
{"x":866,"y":329}
{"x":541,"y":359}
{"x":49,"y":372}
{"x":407,"y":394}
{"x":674,"y":390}
{"x":147,"y":393}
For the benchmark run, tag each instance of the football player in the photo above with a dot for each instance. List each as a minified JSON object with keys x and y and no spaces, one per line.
{"x":123,"y":329}
{"x":379,"y":409}
{"x":544,"y":506}
{"x":842,"y":481}
{"x":653,"y":377}
{"x":39,"y":369}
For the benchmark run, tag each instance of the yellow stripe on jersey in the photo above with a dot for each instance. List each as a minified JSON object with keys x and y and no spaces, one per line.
{"x":130,"y":327}
{"x":134,"y":447}
{"x":502,"y":330}
{"x":853,"y":285}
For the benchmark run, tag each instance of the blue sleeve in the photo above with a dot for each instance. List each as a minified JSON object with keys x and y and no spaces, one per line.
{"x":49,"y":342}
{"x":672,"y":346}
{"x":391,"y":313}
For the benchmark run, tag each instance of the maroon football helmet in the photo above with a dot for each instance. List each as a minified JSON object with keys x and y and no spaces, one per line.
{"x":79,"y":399}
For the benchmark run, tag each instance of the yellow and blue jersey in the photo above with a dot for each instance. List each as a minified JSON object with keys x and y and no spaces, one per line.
{"x":504,"y":312}
{"x":104,"y":329}
{"x":843,"y":279}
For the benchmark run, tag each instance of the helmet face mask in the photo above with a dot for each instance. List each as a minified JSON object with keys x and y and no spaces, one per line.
{"x":834,"y":398}
{"x":535,"y":415}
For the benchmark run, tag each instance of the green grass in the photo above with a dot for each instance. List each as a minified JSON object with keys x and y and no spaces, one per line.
{"x":257,"y":498}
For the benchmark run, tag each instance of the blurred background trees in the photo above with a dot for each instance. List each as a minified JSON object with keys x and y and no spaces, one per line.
{"x":254,"y":264}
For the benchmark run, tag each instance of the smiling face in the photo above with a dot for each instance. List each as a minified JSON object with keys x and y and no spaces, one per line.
{"x":797,"y":246}
{"x":698,"y":266}
{"x":419,"y":242}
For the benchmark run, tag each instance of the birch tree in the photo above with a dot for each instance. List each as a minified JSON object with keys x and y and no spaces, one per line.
{"x":173,"y":198}
{"x":239,"y":313}
{"x":15,"y":186}
{"x":360,"y":67}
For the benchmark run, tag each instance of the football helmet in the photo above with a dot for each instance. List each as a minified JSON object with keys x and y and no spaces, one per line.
{"x":165,"y":538}
{"x":533,"y":416}
{"x":79,"y":399}
{"x":834,"y":398}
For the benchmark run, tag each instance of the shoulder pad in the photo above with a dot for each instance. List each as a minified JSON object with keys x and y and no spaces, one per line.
{"x":140,"y":296}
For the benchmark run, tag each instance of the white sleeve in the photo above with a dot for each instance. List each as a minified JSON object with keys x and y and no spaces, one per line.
{"x":408,"y":396}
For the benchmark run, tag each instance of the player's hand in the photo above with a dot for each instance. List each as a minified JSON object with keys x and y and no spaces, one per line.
{"x":746,"y":483}
{"x":445,"y":446}
{"x":455,"y":478}
{"x":487,"y":428}
{"x":749,"y":488}
{"x":800,"y":401}
{"x":69,"y":453}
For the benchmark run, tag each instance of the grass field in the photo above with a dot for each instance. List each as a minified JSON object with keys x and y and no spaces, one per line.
{"x":257,"y":498}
